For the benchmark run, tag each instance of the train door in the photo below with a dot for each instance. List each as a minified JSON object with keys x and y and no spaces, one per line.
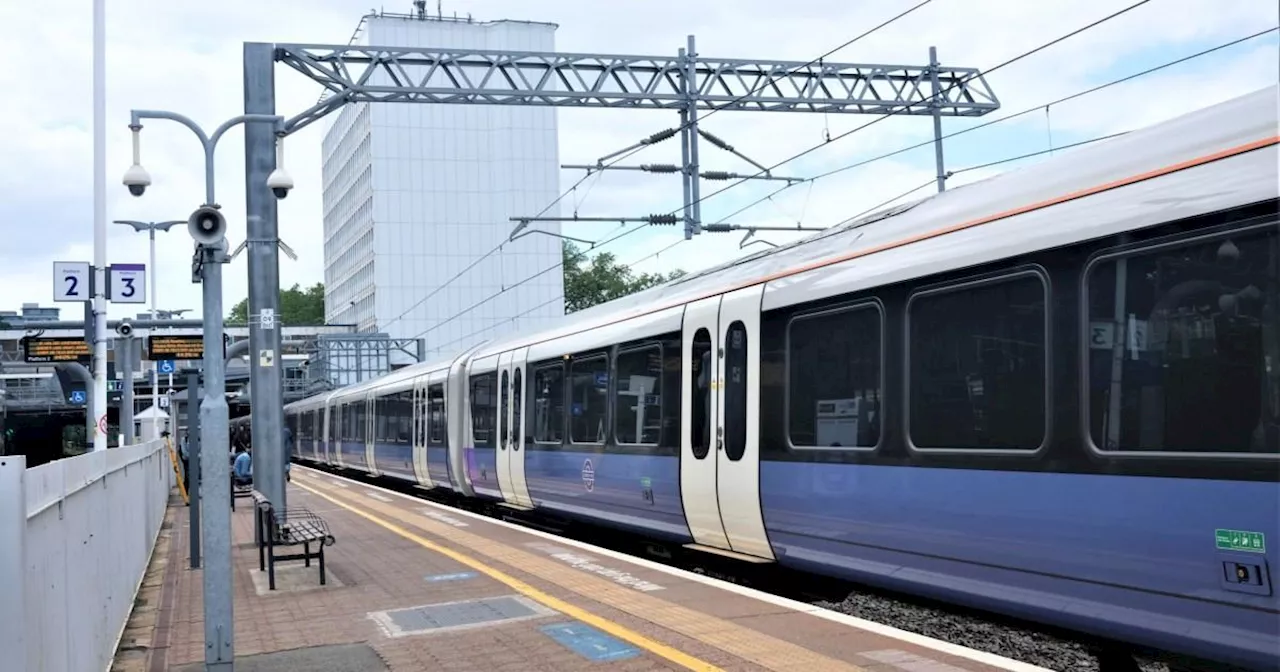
{"x":370,"y":435}
{"x":418,"y":411}
{"x":339,"y":432}
{"x":503,"y":429}
{"x":515,"y":437}
{"x":720,"y":459}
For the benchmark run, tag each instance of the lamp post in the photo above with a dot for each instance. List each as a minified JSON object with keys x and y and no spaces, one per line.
{"x":208,"y":227}
{"x":151,"y":228}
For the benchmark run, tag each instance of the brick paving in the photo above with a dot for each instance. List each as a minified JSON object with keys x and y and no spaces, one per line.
{"x":387,"y":548}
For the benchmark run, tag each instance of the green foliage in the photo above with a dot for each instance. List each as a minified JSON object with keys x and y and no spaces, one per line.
{"x":297,"y":306}
{"x":589,"y":281}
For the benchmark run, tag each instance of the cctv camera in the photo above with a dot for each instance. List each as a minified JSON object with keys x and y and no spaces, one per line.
{"x":137,"y":179}
{"x":280,"y":183}
{"x":124,"y":328}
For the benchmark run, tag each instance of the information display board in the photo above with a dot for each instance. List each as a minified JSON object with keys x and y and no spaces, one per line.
{"x":161,"y":347}
{"x":55,"y":350}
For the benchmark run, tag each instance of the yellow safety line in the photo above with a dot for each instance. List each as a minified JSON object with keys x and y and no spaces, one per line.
{"x":674,"y":655}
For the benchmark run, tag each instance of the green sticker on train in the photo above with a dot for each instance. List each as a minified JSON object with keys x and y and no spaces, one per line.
{"x":1240,"y":540}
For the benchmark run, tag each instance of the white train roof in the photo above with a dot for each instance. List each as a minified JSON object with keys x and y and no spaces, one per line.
{"x":1248,"y":119}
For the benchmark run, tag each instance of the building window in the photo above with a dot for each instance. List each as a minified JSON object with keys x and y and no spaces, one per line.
{"x":1183,"y":344}
{"x":483,"y":409}
{"x":834,"y":362}
{"x":637,"y":402}
{"x":589,"y":393}
{"x":702,"y":373}
{"x":735,"y":391}
{"x":977,"y":356}
{"x":548,"y":403}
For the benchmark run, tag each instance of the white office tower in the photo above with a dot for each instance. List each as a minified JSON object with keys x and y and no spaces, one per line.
{"x":415,"y":193}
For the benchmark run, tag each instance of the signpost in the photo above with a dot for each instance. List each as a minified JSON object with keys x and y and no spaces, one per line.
{"x":71,"y":281}
{"x":128,"y":283}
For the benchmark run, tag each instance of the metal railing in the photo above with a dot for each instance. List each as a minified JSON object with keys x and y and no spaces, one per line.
{"x":76,"y":536}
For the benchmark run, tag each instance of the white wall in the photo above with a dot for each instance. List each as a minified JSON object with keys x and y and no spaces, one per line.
{"x":76,"y":537}
{"x":445,"y":181}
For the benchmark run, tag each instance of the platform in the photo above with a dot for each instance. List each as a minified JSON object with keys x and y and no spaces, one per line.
{"x":417,"y":586}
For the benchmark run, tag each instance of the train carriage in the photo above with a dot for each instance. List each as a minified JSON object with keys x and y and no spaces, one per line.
{"x":1054,"y":394}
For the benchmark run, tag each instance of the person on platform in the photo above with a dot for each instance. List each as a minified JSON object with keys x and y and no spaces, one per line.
{"x":242,"y":468}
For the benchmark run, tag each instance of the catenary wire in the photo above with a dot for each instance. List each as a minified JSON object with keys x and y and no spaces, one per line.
{"x":992,"y":122}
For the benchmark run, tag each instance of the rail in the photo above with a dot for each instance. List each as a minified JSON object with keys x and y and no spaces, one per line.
{"x":76,"y":536}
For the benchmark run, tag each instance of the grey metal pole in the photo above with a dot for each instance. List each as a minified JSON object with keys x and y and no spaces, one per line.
{"x":695,"y":183}
{"x":214,"y":464}
{"x":124,"y":360}
{"x":193,"y":462}
{"x":936,"y":103}
{"x":266,"y":420}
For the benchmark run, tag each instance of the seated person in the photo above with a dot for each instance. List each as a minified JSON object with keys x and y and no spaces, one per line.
{"x":242,"y":469}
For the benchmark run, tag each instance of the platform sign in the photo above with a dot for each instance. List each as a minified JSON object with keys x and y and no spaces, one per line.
{"x":162,"y":349}
{"x":55,"y":350}
{"x":128,"y":283}
{"x":168,"y":365}
{"x":71,"y":280}
{"x":78,"y":396}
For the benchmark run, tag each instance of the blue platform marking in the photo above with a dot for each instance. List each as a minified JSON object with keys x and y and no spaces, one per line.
{"x":588,"y":642}
{"x":452,"y":577}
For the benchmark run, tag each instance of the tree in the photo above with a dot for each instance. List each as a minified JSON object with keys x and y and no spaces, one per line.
{"x":595,"y":280}
{"x":297,"y":306}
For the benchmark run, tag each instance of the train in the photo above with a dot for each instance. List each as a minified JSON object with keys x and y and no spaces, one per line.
{"x":1052,"y":394}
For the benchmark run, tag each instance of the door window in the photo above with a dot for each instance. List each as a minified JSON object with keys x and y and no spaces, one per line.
{"x":517,"y":431}
{"x":504,"y":434}
{"x":735,"y":391}
{"x":700,"y":416}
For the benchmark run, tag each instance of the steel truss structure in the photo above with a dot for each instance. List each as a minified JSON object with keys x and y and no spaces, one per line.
{"x":686,"y":83}
{"x":339,"y":360}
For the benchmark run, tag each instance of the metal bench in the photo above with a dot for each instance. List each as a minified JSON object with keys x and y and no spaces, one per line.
{"x":288,"y":527}
{"x":239,"y":491}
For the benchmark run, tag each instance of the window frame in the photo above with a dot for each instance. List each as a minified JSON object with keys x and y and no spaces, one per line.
{"x":608,"y":395}
{"x":991,"y":278}
{"x":431,"y":426}
{"x":1127,"y":250}
{"x":848,"y":307}
{"x":614,"y":397}
{"x":535,"y":369}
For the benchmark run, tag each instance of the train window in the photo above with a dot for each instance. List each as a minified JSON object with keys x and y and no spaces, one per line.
{"x":548,"y":403}
{"x":483,"y":409}
{"x":435,"y":414}
{"x":1184,"y":346}
{"x":834,"y":391}
{"x":735,"y":391}
{"x":977,"y":365}
{"x":701,"y":373}
{"x":588,"y":395}
{"x":503,"y":421}
{"x":381,"y":415}
{"x":637,"y":400}
{"x":517,"y":430}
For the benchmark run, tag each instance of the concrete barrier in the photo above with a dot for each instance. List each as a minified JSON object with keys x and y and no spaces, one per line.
{"x":76,"y":536}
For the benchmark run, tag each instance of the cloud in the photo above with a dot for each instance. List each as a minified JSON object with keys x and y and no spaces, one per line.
{"x":186,"y":57}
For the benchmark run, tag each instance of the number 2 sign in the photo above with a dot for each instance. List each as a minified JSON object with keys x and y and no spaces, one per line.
{"x":70,"y":281}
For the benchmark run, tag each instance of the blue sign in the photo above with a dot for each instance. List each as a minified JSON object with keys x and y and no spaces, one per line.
{"x":78,"y":396}
{"x":589,"y":643}
{"x":166,"y":366}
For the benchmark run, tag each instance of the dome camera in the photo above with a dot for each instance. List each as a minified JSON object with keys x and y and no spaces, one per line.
{"x":137,"y":179}
{"x":280,"y":183}
{"x":124,"y":328}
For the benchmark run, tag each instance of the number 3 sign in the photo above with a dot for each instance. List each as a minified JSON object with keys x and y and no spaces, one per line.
{"x":128,"y":283}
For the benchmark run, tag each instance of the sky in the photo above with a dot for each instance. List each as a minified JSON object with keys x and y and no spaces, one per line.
{"x":185,"y":57}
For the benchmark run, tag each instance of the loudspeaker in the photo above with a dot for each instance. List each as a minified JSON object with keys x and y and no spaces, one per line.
{"x":207,"y":225}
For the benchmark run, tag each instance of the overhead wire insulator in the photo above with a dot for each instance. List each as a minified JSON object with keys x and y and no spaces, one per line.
{"x":718,"y":228}
{"x":660,"y":168}
{"x":719,"y":175}
{"x":662,"y":220}
{"x":715,"y":141}
{"x":659,"y":136}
